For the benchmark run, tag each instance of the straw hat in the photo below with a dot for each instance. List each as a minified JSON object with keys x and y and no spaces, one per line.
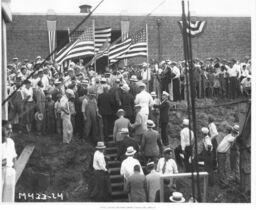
{"x":153,"y":93}
{"x":100,"y":145}
{"x":205,"y":130}
{"x":150,"y":124}
{"x":124,"y":130}
{"x":177,"y":197}
{"x":185,"y":122}
{"x":235,"y":128}
{"x":39,"y":116}
{"x":119,"y":111}
{"x":130,"y":151}
{"x":134,"y":78}
{"x":165,"y":93}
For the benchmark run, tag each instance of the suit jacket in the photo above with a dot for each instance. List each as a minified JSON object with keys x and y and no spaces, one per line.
{"x":164,"y":111}
{"x":153,"y":184}
{"x":127,"y":103}
{"x":40,"y":100}
{"x":136,"y":186}
{"x":151,"y":143}
{"x":119,"y":124}
{"x":127,"y":142}
{"x":104,"y":104}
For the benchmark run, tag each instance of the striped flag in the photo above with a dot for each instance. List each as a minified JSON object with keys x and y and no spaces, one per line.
{"x":195,"y":27}
{"x":138,"y":47}
{"x":118,"y":50}
{"x":82,"y":46}
{"x":102,"y":37}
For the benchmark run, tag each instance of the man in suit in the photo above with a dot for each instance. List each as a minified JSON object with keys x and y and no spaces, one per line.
{"x":106,"y":111}
{"x":120,"y":123}
{"x":164,"y":116}
{"x":40,"y":106}
{"x":127,"y":142}
{"x":151,"y":145}
{"x":127,"y":102}
{"x":153,"y":182}
{"x":136,"y":186}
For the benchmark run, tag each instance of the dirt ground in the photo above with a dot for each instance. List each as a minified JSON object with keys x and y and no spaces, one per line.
{"x":55,"y":167}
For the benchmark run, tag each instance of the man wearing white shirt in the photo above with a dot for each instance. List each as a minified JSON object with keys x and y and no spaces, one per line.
{"x":144,"y":98}
{"x":99,"y":185}
{"x":184,"y":150}
{"x":175,"y":84}
{"x":234,"y":73}
{"x":213,"y":134}
{"x":8,"y":163}
{"x":222,"y":154}
{"x":127,"y":166}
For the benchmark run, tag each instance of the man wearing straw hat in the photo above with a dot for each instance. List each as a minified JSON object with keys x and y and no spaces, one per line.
{"x":184,"y":151}
{"x":99,"y":185}
{"x":222,"y":154}
{"x":151,"y":145}
{"x":128,"y":164}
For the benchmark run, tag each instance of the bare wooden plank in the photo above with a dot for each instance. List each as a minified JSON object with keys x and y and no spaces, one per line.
{"x":180,"y":175}
{"x":23,"y":159}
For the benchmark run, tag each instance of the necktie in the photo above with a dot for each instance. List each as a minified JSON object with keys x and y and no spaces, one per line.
{"x":164,"y":167}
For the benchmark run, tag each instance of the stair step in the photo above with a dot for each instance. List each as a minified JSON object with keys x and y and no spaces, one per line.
{"x":112,"y":155}
{"x":114,"y":162}
{"x":111,"y":149}
{"x":114,"y":171}
{"x":111,"y":143}
{"x":118,"y":193}
{"x":117,"y":184}
{"x":118,"y":176}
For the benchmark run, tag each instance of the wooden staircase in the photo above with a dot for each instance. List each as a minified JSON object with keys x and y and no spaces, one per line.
{"x":117,"y":184}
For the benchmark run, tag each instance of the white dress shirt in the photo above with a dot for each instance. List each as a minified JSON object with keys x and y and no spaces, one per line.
{"x":99,"y":161}
{"x":213,"y":130}
{"x":184,"y":137}
{"x":127,"y":167}
{"x":8,"y":152}
{"x":145,"y":99}
{"x":226,"y":143}
{"x":176,"y":71}
{"x":170,"y":167}
{"x":234,"y":71}
{"x":28,"y":92}
{"x":207,"y":142}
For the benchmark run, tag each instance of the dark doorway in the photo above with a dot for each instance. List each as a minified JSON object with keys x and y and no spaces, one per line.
{"x":62,"y":38}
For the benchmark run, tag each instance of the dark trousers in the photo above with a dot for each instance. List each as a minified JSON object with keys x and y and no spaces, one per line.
{"x":233,"y":87}
{"x":214,"y":152}
{"x":187,"y":154}
{"x":164,"y":135}
{"x":107,"y":125}
{"x":208,"y":162}
{"x":176,"y":89}
{"x":222,"y":167}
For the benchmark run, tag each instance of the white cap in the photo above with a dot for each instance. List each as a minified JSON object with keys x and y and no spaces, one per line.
{"x":205,"y":130}
{"x":185,"y":122}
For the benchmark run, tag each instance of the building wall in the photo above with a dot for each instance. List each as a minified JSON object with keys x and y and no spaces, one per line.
{"x":228,"y":37}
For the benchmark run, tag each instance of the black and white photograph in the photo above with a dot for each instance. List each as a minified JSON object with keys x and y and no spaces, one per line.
{"x":127,"y":102}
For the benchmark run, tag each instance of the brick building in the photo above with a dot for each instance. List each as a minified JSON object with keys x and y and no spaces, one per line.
{"x":228,"y":37}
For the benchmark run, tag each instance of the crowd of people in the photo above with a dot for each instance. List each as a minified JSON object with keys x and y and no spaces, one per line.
{"x":127,"y":103}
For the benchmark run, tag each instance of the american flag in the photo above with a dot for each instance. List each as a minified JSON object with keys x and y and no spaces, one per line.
{"x":138,"y":47}
{"x":118,"y":50}
{"x":101,"y":36}
{"x":82,"y":46}
{"x":195,"y":27}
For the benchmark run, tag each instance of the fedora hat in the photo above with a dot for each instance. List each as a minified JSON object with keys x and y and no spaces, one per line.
{"x":124,"y":130}
{"x":134,"y":78}
{"x":177,"y":197}
{"x":165,"y":93}
{"x":205,"y":130}
{"x":153,"y":93}
{"x":39,"y":116}
{"x":119,"y":111}
{"x":185,"y":122}
{"x":235,"y":128}
{"x":141,"y":84}
{"x":167,"y":150}
{"x":150,"y":124}
{"x":130,"y":151}
{"x":100,"y":145}
{"x":125,"y":87}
